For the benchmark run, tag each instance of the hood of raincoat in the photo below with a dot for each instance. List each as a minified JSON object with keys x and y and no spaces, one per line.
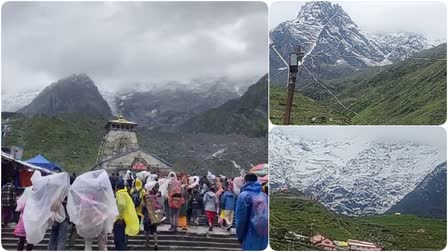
{"x":151,"y":177}
{"x":210,"y":177}
{"x":149,"y":185}
{"x":138,"y":184}
{"x":163,"y":187}
{"x":129,"y":213}
{"x":251,"y":186}
{"x":172,"y":176}
{"x":143,"y":175}
{"x":238,"y":183}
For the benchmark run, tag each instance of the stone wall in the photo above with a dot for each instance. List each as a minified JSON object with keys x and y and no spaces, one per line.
{"x":124,"y":162}
{"x":117,"y":142}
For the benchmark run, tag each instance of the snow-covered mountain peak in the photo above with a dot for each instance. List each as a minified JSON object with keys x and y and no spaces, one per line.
{"x":320,"y":13}
{"x":325,"y":29}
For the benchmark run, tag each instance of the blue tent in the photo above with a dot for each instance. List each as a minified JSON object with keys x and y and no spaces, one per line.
{"x":40,"y":161}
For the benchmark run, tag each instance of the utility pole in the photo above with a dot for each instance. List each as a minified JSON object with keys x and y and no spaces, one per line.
{"x":294,"y":59}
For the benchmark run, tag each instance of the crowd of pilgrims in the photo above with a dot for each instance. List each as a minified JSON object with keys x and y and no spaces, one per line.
{"x":96,"y":204}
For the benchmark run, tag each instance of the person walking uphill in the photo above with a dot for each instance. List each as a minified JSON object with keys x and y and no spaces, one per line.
{"x":126,"y":222}
{"x":8,"y":201}
{"x":151,"y":212}
{"x":252,"y":215}
{"x":175,"y":200}
{"x":195,"y":203}
{"x":228,"y":206}
{"x":210,"y":207}
{"x":92,"y":208}
{"x":19,"y":229}
{"x":137,"y":193}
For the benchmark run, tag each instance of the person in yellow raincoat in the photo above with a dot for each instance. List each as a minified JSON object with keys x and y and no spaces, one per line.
{"x":127,"y":221}
{"x":138,"y":191}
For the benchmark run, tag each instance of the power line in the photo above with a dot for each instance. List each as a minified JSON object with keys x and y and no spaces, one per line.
{"x":275,"y":75}
{"x":329,"y":91}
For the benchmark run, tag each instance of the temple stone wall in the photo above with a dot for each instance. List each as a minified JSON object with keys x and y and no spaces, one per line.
{"x":117,"y":142}
{"x":123,"y":163}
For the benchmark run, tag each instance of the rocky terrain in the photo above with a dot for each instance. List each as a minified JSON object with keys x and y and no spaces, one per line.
{"x":74,"y":94}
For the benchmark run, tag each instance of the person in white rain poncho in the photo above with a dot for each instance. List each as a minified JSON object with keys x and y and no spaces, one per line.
{"x":163,"y":189}
{"x":44,"y":204}
{"x":238,"y":182}
{"x":92,"y":208}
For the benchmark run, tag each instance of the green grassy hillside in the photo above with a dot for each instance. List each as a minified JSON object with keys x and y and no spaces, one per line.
{"x":304,"y":110}
{"x":412,"y":92}
{"x":308,"y":217}
{"x":72,"y":141}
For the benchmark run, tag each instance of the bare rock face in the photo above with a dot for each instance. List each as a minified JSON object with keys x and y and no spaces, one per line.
{"x":74,"y":94}
{"x":428,"y":199}
{"x":245,"y":115}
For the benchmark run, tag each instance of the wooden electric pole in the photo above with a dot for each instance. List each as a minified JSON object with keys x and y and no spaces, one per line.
{"x":294,"y":59}
{"x":289,"y":99}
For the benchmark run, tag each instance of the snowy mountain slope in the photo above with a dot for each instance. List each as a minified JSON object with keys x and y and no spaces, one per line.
{"x":14,"y":102}
{"x":351,"y":176}
{"x":170,"y":102}
{"x":403,"y":45}
{"x":325,"y":30}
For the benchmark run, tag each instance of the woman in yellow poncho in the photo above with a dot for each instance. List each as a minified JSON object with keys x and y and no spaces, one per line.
{"x":127,"y":220}
{"x":138,"y":188}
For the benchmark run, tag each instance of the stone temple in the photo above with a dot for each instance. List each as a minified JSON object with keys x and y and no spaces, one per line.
{"x":120,"y":151}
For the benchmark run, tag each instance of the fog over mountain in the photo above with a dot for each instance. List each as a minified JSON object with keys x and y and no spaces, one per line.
{"x":138,"y":44}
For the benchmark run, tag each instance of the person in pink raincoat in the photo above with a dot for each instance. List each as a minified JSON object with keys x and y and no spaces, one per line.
{"x":19,"y":230}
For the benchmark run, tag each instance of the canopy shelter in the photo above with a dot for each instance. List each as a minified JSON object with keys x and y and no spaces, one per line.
{"x":41,"y":161}
{"x":19,"y":170}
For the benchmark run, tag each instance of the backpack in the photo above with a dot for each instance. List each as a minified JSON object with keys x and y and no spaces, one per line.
{"x":154,"y":217}
{"x":175,"y":194}
{"x":260,"y":218}
{"x":136,"y":197}
{"x":194,"y":202}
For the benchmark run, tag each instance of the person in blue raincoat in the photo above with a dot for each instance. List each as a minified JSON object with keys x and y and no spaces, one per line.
{"x":252,"y":215}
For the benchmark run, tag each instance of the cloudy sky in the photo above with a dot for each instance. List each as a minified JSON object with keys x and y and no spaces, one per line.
{"x":425,"y":17}
{"x":428,"y":135}
{"x":120,"y":43}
